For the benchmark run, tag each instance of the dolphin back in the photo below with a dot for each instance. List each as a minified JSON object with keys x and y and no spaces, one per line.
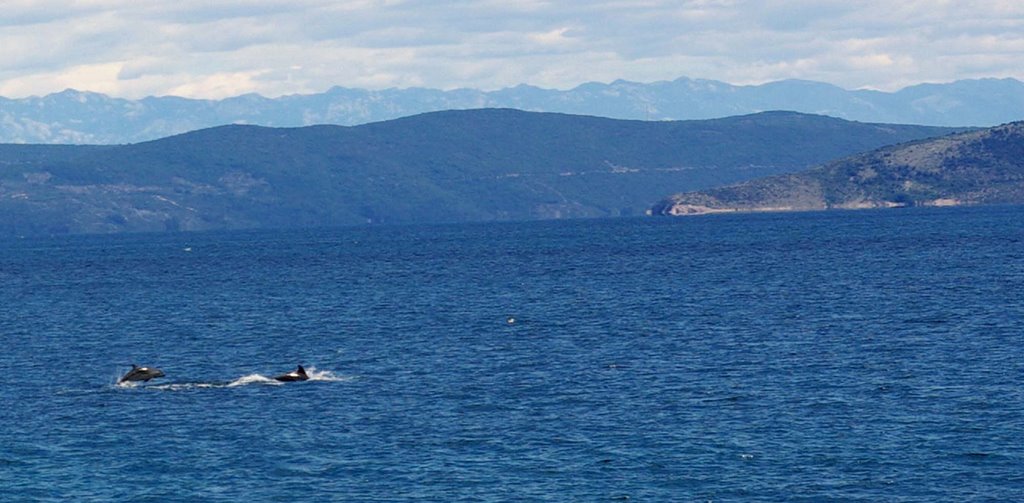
{"x":143,"y":374}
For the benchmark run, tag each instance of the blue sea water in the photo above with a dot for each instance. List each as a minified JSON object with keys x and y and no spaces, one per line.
{"x":840,"y":356}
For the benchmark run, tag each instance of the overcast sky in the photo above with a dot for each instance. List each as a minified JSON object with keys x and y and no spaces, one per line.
{"x":219,"y":48}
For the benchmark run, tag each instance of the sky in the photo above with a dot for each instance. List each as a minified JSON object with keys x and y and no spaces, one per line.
{"x":219,"y":48}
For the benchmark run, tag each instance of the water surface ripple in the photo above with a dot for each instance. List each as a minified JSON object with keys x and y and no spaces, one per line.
{"x":847,"y":356}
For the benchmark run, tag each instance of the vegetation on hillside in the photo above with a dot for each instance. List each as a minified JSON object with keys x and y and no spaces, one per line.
{"x":971,"y":168}
{"x":478,"y":165}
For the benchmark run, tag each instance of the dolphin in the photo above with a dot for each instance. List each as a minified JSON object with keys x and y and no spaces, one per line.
{"x":143,"y":374}
{"x":298,"y":374}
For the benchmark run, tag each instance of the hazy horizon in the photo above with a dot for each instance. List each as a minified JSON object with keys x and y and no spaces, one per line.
{"x":608,"y":83}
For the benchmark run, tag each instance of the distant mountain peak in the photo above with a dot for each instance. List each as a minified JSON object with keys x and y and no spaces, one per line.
{"x":73,"y":116}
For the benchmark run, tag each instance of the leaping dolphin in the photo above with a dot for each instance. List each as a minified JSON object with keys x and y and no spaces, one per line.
{"x":298,"y":374}
{"x":143,"y":374}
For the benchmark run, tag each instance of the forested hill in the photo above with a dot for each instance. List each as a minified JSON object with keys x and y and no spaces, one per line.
{"x":475,"y":165}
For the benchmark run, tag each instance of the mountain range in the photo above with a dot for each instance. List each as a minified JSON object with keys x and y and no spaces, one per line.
{"x":77,"y":117}
{"x":474,"y":165}
{"x":971,"y":168}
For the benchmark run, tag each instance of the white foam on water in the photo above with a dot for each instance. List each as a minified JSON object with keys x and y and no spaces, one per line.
{"x":180,"y":386}
{"x":253,"y":379}
{"x":183,"y":386}
{"x":241,"y":381}
{"x":324,"y":375}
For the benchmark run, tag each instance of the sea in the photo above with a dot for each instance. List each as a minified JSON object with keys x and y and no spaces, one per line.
{"x":859,"y":356}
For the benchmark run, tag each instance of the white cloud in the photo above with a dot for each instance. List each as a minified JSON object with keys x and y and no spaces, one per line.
{"x":101,"y":78}
{"x":219,"y":84}
{"x":199,"y":48}
{"x":556,"y":37}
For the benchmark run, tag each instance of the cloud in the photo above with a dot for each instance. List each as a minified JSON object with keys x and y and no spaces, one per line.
{"x":273,"y":47}
{"x":102,"y":79}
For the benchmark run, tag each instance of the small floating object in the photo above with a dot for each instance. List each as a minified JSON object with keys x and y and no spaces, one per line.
{"x":143,"y":374}
{"x":511,"y":320}
{"x":187,"y":249}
